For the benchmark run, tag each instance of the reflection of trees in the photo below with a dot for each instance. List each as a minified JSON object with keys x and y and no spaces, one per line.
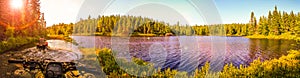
{"x":252,"y":52}
{"x":268,"y":49}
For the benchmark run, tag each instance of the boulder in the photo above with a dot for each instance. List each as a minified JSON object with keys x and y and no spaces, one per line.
{"x":168,"y":34}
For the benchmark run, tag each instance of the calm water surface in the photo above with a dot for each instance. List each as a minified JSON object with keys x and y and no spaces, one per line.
{"x":186,"y":53}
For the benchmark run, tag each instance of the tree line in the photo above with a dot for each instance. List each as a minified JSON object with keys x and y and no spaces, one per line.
{"x":19,"y":26}
{"x":276,"y":23}
{"x":116,"y":25}
{"x":60,"y":29}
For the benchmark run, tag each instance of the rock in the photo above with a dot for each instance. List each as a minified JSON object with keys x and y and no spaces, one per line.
{"x":7,"y":55}
{"x":168,"y":34}
{"x":8,"y":73}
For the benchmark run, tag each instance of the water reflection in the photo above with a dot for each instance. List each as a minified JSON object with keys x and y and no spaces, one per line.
{"x":268,"y":49}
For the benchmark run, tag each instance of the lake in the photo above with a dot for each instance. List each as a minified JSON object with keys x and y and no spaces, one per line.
{"x":187,"y":53}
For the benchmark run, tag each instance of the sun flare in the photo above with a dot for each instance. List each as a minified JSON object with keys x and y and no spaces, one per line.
{"x":16,"y":3}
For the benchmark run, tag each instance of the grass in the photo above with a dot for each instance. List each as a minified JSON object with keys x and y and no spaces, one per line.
{"x":111,"y":66}
{"x":15,"y":43}
{"x":286,"y":66}
{"x":286,"y":36}
{"x":143,"y":35}
{"x":89,"y":57}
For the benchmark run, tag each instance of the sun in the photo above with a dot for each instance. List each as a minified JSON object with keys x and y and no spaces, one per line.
{"x":17,"y":3}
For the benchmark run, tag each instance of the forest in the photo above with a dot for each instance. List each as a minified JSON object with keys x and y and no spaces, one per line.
{"x":20,"y":26}
{"x":275,"y":24}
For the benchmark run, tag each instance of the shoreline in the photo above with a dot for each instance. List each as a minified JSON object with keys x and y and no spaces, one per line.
{"x":285,"y":37}
{"x":62,"y":37}
{"x":276,"y":37}
{"x":22,"y":47}
{"x":16,"y":44}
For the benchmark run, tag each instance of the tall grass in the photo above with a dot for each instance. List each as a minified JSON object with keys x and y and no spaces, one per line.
{"x":15,"y":42}
{"x":287,"y":36}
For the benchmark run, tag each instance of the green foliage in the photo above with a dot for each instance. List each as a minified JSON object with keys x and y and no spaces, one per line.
{"x":110,"y":66}
{"x":139,"y":61}
{"x":286,"y":36}
{"x":116,"y":25}
{"x":203,"y":72}
{"x":275,"y":24}
{"x":107,"y":61}
{"x":278,"y":25}
{"x":22,"y":27}
{"x":60,"y":29}
{"x":188,"y":30}
{"x":284,"y":67}
{"x":143,"y":35}
{"x":13,"y":43}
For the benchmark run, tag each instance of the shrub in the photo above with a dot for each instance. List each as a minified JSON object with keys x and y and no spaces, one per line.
{"x":15,"y":42}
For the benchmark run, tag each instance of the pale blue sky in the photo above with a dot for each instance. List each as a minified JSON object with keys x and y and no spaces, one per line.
{"x":239,"y":10}
{"x":231,"y":11}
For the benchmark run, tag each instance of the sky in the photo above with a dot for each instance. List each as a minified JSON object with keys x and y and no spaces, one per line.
{"x":171,"y":11}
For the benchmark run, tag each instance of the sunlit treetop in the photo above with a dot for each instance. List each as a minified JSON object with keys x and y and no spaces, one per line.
{"x":16,"y":3}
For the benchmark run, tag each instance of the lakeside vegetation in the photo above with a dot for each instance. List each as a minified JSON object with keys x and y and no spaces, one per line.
{"x":16,"y":42}
{"x":19,"y":27}
{"x":283,"y":36}
{"x":285,"y":66}
{"x":62,"y":37}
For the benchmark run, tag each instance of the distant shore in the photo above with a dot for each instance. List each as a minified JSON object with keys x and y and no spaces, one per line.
{"x":286,"y":37}
{"x":125,"y":35}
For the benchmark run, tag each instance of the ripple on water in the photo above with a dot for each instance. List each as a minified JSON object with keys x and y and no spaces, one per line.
{"x":190,"y":52}
{"x":59,"y":51}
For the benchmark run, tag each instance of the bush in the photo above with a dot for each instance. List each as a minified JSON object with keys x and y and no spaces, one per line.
{"x":112,"y":69}
{"x":15,"y":42}
{"x":286,"y":66}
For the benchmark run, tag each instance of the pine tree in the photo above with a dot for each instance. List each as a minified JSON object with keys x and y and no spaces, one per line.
{"x":270,"y":26}
{"x":285,"y":23}
{"x":252,"y":27}
{"x":292,"y":22}
{"x":275,"y":22}
{"x":263,"y":26}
